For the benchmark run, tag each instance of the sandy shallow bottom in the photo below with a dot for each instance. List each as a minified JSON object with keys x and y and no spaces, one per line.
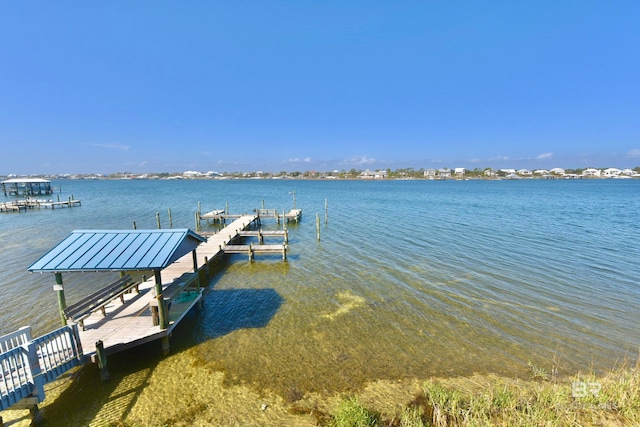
{"x":180,"y":390}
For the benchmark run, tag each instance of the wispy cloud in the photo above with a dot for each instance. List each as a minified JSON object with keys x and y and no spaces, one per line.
{"x":298,"y":160}
{"x":544,"y":156}
{"x":634,"y":153}
{"x":361,"y":160}
{"x":108,"y":146}
{"x":499,"y":158}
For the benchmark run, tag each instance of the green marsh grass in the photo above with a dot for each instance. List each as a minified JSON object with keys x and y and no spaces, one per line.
{"x":580,"y":400}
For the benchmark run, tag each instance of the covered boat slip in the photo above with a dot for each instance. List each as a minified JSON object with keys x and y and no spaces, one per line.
{"x":26,"y":187}
{"x":130,"y":318}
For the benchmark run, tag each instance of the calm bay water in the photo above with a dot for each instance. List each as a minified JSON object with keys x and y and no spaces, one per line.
{"x":409,"y":279}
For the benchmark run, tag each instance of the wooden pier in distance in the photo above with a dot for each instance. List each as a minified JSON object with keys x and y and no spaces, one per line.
{"x":23,"y":205}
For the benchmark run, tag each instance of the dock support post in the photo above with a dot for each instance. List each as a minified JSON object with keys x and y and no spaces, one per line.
{"x":250,"y":251}
{"x":318,"y":225}
{"x":158,"y":220}
{"x":102,"y":361}
{"x":135,"y":226}
{"x":326,"y":211}
{"x":170,"y":219}
{"x":162,"y":308}
{"x":35,"y":415}
{"x":206,"y":269}
{"x":166,"y":348}
{"x":62,"y":303}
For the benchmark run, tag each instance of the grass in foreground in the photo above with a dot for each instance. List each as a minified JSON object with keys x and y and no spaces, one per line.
{"x":583,"y":400}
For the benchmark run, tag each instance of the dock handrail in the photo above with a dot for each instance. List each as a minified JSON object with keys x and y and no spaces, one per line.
{"x":26,"y":367}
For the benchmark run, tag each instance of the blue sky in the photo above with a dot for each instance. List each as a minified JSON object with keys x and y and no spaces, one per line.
{"x":158,"y":86}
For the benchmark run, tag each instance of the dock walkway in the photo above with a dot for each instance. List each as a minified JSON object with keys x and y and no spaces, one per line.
{"x":26,"y":365}
{"x":23,"y":205}
{"x":130,"y":324}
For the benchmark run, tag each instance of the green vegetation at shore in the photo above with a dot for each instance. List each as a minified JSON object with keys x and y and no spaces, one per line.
{"x":583,"y":400}
{"x":137,"y":398}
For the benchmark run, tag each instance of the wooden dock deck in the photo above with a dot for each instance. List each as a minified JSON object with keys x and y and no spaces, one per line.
{"x":23,"y":205}
{"x":292,"y":215}
{"x":131,"y":324}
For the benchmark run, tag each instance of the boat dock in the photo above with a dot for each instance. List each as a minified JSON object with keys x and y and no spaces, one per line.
{"x":221,"y":215}
{"x":129,"y":325}
{"x":24,"y":205}
{"x":123,"y":314}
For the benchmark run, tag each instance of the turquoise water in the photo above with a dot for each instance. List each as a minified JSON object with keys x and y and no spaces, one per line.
{"x":409,"y":278}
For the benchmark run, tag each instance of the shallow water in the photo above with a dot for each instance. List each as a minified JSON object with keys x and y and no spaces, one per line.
{"x":409,"y":279}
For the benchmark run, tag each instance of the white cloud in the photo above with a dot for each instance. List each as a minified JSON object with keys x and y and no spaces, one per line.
{"x":361,"y":160}
{"x":544,"y":156}
{"x":108,"y":146}
{"x":634,"y":153}
{"x":499,"y":158}
{"x":299,"y":160}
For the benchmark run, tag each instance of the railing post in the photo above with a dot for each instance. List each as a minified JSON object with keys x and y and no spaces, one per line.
{"x":75,"y":334}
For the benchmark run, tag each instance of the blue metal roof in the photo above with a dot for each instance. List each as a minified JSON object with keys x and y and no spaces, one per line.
{"x":118,"y":250}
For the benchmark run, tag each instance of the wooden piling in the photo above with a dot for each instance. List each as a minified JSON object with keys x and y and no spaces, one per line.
{"x":101,"y":357}
{"x":62,"y":303}
{"x":158,"y":220}
{"x":135,"y":227}
{"x":166,"y":348}
{"x":35,"y":414}
{"x":318,"y":225}
{"x":170,"y":219}
{"x":326,"y":211}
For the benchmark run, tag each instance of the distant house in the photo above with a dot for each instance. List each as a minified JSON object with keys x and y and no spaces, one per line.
{"x":591,"y":173}
{"x":489,"y":172}
{"x":430,"y":173}
{"x":508,"y":171}
{"x":557,"y":171}
{"x":373,"y":175}
{"x":459,"y":171}
{"x":444,"y":173}
{"x":541,"y":172}
{"x":611,"y":172}
{"x":524,"y":172}
{"x":192,"y":174}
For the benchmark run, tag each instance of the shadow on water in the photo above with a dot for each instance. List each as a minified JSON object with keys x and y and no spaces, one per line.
{"x":228,"y":310}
